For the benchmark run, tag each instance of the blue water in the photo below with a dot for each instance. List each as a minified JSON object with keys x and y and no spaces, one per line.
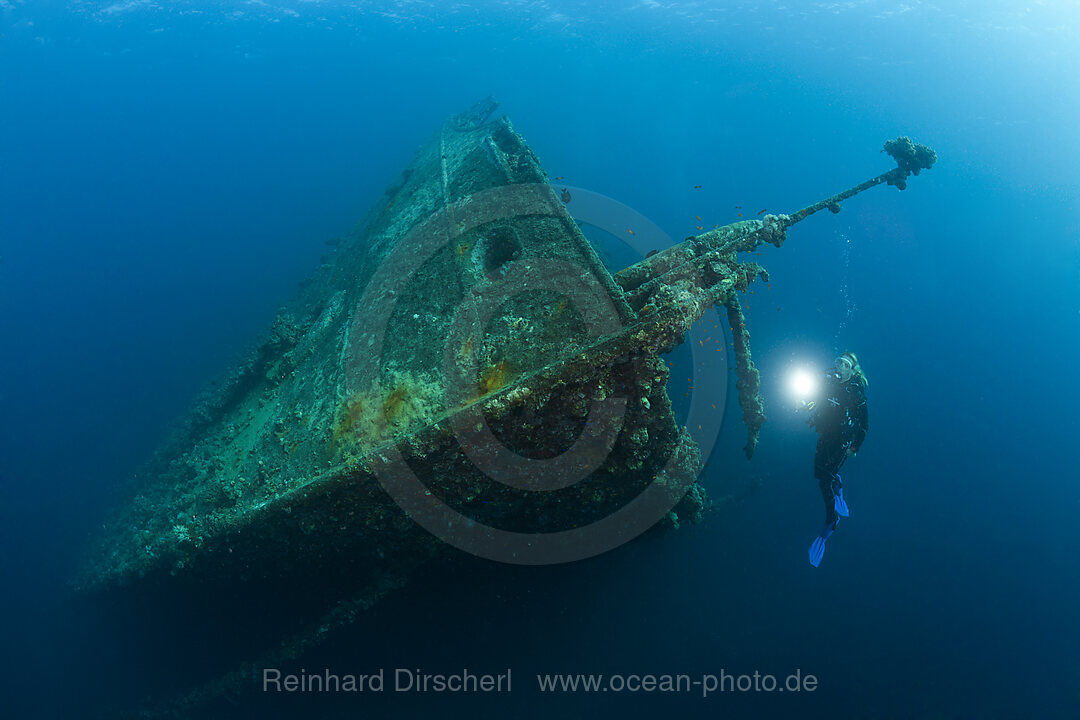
{"x":170,"y":171}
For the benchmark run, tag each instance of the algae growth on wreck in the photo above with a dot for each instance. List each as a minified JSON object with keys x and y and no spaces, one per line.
{"x":463,"y":374}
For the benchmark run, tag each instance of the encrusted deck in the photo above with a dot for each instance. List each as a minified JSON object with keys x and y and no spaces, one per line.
{"x":462,"y":372}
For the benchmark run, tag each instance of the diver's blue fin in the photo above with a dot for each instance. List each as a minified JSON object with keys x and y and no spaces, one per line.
{"x":817,"y":551}
{"x":817,"y":548}
{"x":839,"y":504}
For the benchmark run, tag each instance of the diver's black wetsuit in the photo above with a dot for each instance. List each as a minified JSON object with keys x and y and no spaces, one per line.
{"x":841,"y":421}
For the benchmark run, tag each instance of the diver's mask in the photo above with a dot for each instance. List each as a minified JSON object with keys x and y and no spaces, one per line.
{"x":845,"y":368}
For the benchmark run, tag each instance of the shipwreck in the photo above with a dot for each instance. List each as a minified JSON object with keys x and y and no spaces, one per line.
{"x":462,"y":374}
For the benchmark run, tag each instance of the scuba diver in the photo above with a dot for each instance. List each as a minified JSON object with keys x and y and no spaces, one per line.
{"x":841,"y":421}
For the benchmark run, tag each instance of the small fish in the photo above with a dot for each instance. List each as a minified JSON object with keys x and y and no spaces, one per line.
{"x":697,"y":187}
{"x":738,"y":207}
{"x":699,"y":227}
{"x":631,"y":231}
{"x":761,"y":212}
{"x":739,"y":214}
{"x":559,"y":178}
{"x":698,"y":218}
{"x":565,"y":195}
{"x":651,"y":253}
